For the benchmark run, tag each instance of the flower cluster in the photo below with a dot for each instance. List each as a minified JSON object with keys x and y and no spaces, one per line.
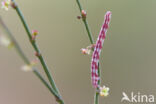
{"x":104,"y":91}
{"x":6,"y":4}
{"x":97,"y":50}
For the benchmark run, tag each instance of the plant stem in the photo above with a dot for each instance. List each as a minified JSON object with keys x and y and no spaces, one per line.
{"x":25,"y":59}
{"x":45,"y":83}
{"x":96,"y":96}
{"x":40,"y":57}
{"x":85,"y":23}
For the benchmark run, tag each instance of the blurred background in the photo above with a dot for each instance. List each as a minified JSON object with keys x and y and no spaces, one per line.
{"x":128,"y":58}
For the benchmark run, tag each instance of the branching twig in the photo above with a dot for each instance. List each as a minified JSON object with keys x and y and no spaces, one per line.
{"x":38,"y":53}
{"x":24,"y":58}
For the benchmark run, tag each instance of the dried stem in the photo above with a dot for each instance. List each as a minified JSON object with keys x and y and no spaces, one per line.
{"x":24,"y":58}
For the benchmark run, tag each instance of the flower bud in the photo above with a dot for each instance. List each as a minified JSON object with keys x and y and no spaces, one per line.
{"x":79,"y":17}
{"x":34,"y":32}
{"x":37,"y":54}
{"x":86,"y":51}
{"x":84,"y":14}
{"x":13,"y":5}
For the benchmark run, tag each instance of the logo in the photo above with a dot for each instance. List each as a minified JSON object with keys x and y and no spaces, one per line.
{"x":137,"y":98}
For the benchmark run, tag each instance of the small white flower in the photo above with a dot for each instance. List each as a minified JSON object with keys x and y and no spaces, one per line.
{"x":86,"y":51}
{"x":29,"y":67}
{"x":4,"y":41}
{"x":104,"y":91}
{"x":6,"y":4}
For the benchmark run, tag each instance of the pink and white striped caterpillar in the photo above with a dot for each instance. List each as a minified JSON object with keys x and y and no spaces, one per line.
{"x":97,"y":50}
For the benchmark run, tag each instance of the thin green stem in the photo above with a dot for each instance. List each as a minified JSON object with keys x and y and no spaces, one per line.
{"x":25,"y":59}
{"x":86,"y":24}
{"x":45,"y":83}
{"x":36,"y":48}
{"x":96,"y":97}
{"x":88,"y":31}
{"x":33,"y":43}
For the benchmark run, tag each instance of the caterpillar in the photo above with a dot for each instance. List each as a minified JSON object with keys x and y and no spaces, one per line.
{"x":97,"y":50}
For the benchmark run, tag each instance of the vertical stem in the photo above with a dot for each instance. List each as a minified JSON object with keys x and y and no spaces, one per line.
{"x":86,"y":24}
{"x":96,"y":98}
{"x":88,"y":31}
